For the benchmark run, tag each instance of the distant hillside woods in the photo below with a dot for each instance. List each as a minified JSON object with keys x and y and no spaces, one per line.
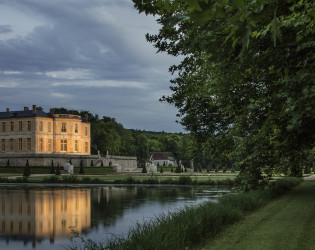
{"x":109,"y":135}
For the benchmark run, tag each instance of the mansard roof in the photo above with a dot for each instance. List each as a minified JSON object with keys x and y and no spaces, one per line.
{"x":24,"y":113}
{"x":161,"y":156}
{"x":39,"y":113}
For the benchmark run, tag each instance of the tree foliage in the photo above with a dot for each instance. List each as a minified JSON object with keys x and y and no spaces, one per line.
{"x":245,"y":88}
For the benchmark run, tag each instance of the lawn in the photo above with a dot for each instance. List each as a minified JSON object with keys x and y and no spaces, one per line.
{"x":285,"y":223}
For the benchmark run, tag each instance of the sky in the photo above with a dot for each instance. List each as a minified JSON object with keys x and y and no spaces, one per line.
{"x":85,"y":55}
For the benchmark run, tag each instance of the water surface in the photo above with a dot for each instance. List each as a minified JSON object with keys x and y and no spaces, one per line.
{"x":42,"y":218}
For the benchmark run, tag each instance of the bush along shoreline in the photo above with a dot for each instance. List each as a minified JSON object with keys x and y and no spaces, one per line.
{"x":188,"y":227}
{"x":182,"y":180}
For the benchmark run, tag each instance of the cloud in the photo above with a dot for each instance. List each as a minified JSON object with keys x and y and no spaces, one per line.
{"x":104,"y":83}
{"x":60,"y":95}
{"x":5,"y":29}
{"x":8,"y":84}
{"x":93,"y":53}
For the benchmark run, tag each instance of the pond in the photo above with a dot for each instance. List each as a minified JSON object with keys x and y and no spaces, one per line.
{"x":42,"y":218}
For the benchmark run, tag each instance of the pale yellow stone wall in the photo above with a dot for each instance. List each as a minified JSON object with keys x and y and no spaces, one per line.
{"x":46,"y":135}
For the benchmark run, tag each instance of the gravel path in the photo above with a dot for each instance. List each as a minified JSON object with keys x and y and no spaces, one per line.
{"x":310,"y":178}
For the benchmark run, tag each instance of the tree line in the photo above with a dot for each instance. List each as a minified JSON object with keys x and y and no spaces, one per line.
{"x":245,"y":88}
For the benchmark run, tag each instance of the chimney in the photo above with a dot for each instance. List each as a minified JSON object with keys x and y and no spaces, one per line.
{"x":52,"y":112}
{"x":8,"y":110}
{"x":34,"y":109}
{"x":86,"y":117}
{"x":25,"y":108}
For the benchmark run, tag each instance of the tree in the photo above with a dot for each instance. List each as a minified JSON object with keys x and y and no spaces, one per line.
{"x":27,"y":171}
{"x":81,"y":171}
{"x":144,"y":169}
{"x":52,"y":167}
{"x":57,"y":172}
{"x":245,"y":88}
{"x":8,"y":163}
{"x":161,"y":170}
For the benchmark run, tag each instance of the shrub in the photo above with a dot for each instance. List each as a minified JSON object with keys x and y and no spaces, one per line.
{"x":52,"y":179}
{"x":184,"y":180}
{"x":70,"y":179}
{"x":4,"y":180}
{"x":52,"y":167}
{"x":8,"y":163}
{"x":144,"y":169}
{"x":150,"y":181}
{"x":21,"y":180}
{"x":57,"y":170}
{"x":27,"y":171}
{"x":81,"y":171}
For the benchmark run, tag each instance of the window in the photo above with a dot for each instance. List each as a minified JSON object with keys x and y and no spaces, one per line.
{"x":3,"y":145}
{"x":86,"y":147}
{"x":12,"y":144}
{"x":29,"y":143}
{"x":29,"y":125}
{"x":3,"y":126}
{"x":64,"y":145}
{"x":20,"y":125}
{"x":41,"y":144}
{"x":12,"y":126}
{"x":63,"y":127}
{"x":76,"y":128}
{"x":49,"y":126}
{"x":40,"y":126}
{"x":20,"y":144}
{"x":49,"y":144}
{"x":85,"y":131}
{"x":76,"y":146}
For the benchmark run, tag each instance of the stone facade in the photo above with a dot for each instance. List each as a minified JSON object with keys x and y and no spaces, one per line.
{"x":127,"y":163}
{"x":37,"y":132}
{"x":41,"y":138}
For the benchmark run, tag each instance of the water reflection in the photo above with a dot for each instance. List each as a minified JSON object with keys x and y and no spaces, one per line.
{"x":31,"y":215}
{"x":43,"y":216}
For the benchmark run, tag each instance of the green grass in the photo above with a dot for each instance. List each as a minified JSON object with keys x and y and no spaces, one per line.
{"x":286,"y":223}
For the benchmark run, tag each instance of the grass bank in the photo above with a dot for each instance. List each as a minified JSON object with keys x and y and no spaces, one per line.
{"x":188,"y":227}
{"x":75,"y":179}
{"x":286,"y":223}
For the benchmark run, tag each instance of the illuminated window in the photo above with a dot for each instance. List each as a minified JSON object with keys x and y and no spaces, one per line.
{"x":20,"y":144}
{"x":3,"y":126}
{"x":41,"y":144}
{"x":11,"y":144}
{"x":29,"y":141}
{"x":12,"y":126}
{"x":76,"y":128}
{"x":64,"y":145}
{"x":86,"y":147}
{"x":49,"y":144}
{"x":3,"y":145}
{"x":40,"y":126}
{"x":49,"y":126}
{"x":76,"y":146}
{"x":29,"y":125}
{"x":63,"y":127}
{"x":20,"y":125}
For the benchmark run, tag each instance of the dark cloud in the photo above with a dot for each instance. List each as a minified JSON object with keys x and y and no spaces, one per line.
{"x":5,"y":28}
{"x":89,"y":55}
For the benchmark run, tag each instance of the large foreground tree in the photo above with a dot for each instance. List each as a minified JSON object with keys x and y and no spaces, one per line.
{"x":245,"y":88}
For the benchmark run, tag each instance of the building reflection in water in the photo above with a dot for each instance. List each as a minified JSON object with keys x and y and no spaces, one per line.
{"x":32,"y":215}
